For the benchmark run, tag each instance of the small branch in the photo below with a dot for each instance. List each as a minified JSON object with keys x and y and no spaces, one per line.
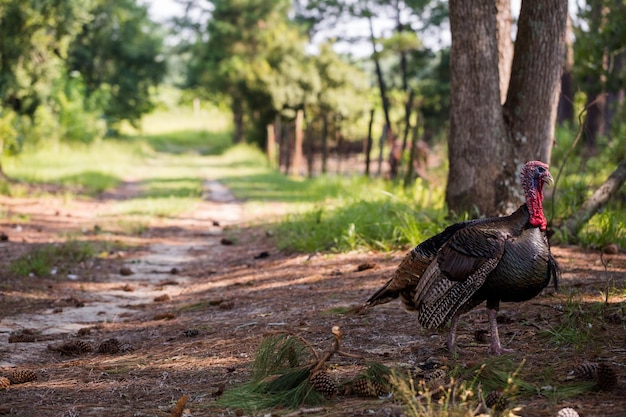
{"x":334,"y":349}
{"x":597,"y":201}
{"x":303,"y":411}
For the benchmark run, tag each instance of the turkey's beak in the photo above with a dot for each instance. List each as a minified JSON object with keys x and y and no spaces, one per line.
{"x":548,"y":178}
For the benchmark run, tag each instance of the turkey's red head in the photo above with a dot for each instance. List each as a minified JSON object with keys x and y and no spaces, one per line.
{"x":534,"y":175}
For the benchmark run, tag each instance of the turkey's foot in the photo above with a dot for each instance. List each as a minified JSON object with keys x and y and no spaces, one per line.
{"x":496,"y":349}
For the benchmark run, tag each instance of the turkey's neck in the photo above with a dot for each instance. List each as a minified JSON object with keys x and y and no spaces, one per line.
{"x":534,"y":202}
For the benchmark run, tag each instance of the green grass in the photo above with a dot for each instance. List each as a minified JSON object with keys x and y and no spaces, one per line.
{"x":367,"y":216}
{"x":580,"y":324}
{"x":175,"y":152}
{"x":42,"y":261}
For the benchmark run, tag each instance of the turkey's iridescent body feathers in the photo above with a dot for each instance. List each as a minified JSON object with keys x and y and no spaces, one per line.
{"x":496,"y":259}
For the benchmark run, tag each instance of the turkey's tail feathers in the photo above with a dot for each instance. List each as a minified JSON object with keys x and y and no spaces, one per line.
{"x":405,"y":277}
{"x":554,"y":272}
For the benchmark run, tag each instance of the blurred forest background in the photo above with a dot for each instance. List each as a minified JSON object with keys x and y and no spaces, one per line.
{"x":319,"y":86}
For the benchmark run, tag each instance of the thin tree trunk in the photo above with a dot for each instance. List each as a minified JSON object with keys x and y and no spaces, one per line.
{"x":410,"y":170}
{"x":339,"y":141}
{"x":297,"y":152}
{"x":368,"y":148}
{"x":505,"y":45}
{"x":387,"y":131}
{"x":324,"y":143}
{"x":271,"y":145}
{"x":309,"y":147}
{"x":408,"y":109}
{"x":597,"y":201}
{"x":237,"y":108}
{"x":565,"y":110}
{"x":381,"y":144}
{"x":379,"y":77}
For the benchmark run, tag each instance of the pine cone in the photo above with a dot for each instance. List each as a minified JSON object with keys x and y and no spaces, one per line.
{"x":73,"y":347}
{"x":587,"y":371}
{"x":606,"y":377}
{"x":4,"y":383}
{"x":83,"y":346}
{"x":126,"y":347}
{"x":496,"y":401}
{"x":322,"y":382}
{"x":435,"y":378}
{"x":21,"y":376}
{"x":109,"y":346}
{"x":364,"y":387}
{"x":567,"y":412}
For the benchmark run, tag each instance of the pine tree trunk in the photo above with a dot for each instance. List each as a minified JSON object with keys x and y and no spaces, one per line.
{"x":477,"y":127}
{"x":238,"y":134}
{"x":533,"y":94}
{"x":565,"y":109}
{"x":368,"y":147}
{"x":488,"y":142}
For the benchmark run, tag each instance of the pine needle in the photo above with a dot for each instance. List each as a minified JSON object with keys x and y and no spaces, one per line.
{"x":278,"y":354}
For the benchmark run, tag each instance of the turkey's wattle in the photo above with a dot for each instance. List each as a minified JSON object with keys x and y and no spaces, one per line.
{"x":495,"y":259}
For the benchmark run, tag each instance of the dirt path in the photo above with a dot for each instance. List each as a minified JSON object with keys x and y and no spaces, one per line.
{"x":205,"y":287}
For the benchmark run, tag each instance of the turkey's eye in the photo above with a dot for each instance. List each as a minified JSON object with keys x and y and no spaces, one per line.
{"x":540,"y":170}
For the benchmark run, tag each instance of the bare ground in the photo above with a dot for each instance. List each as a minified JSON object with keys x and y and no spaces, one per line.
{"x":206,"y":286}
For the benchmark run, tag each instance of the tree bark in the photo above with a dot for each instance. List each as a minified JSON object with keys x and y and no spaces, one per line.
{"x":488,"y":142}
{"x":368,"y":147}
{"x":597,"y":201}
{"x":565,"y":109}
{"x":238,"y":134}
{"x":296,"y":168}
{"x":505,"y":45}
{"x":325,"y":143}
{"x":477,"y":128}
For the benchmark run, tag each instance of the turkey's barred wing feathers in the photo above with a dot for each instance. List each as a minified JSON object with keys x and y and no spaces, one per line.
{"x":440,"y":298}
{"x":468,"y":249}
{"x":460,"y":269}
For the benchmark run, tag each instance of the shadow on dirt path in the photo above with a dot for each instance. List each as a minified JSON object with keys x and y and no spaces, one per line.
{"x":141,"y":278}
{"x":191,"y":297}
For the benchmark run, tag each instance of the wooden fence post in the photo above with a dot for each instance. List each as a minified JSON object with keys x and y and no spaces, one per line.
{"x":297,"y":154}
{"x":271,"y":145}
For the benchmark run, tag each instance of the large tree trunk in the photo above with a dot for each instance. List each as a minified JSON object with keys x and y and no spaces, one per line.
{"x":477,"y":127}
{"x":488,"y":142}
{"x":534,"y":88}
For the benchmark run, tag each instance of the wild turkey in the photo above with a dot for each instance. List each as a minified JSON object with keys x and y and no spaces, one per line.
{"x":494,"y":259}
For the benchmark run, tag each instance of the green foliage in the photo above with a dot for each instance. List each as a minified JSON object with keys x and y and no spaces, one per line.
{"x":118,"y":56}
{"x":579,"y":324}
{"x":361,"y":219}
{"x":579,"y":177}
{"x":42,"y":260}
{"x":34,"y":38}
{"x":280,"y":372}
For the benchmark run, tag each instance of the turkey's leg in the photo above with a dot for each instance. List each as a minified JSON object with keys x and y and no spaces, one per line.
{"x":452,"y":333}
{"x":495,"y":346}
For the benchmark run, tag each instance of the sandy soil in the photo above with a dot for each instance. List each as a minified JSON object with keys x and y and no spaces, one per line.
{"x":191,"y":297}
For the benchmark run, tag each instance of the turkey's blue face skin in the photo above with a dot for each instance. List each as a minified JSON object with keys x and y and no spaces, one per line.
{"x":540,"y":176}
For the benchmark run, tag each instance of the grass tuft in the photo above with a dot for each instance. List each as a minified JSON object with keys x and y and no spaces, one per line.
{"x":43,"y":260}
